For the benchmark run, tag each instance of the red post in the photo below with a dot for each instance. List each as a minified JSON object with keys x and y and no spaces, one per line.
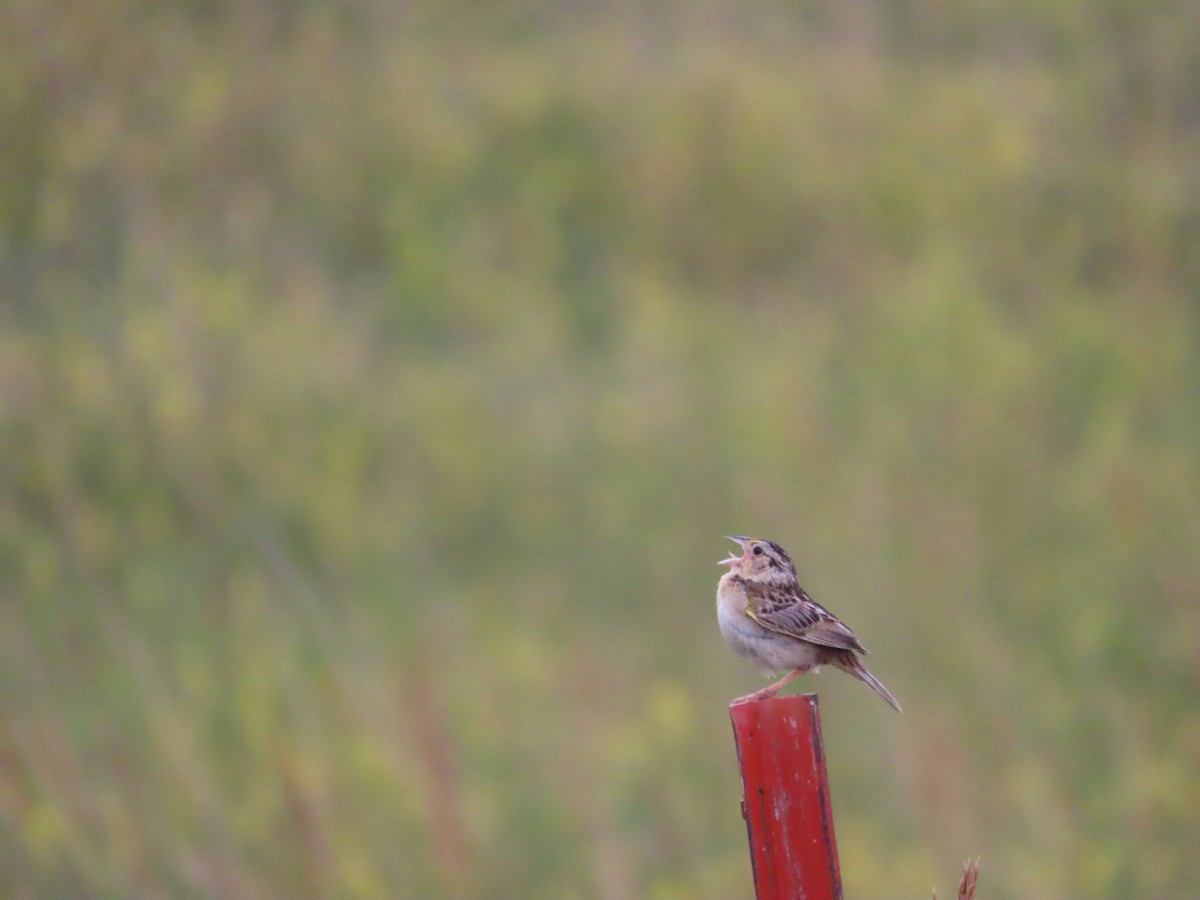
{"x":786,"y":805}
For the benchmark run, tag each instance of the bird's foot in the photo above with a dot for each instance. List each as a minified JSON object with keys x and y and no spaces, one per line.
{"x":767,"y":693}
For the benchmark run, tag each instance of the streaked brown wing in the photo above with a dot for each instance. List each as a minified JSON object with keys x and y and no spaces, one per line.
{"x":797,"y":615}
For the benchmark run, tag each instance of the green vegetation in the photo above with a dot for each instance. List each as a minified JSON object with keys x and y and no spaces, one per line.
{"x":377,"y":381}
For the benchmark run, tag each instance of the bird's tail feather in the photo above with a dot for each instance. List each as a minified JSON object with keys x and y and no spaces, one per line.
{"x":854,"y":666}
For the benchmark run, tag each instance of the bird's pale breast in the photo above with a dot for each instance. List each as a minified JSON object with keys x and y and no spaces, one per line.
{"x":767,"y":650}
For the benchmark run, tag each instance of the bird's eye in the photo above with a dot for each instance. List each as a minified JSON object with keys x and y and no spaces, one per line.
{"x":758,"y":551}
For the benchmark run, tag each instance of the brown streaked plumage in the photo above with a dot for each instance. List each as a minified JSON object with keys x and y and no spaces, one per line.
{"x":766,"y":617}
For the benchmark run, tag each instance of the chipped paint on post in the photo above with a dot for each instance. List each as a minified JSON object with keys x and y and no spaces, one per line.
{"x":786,"y":799}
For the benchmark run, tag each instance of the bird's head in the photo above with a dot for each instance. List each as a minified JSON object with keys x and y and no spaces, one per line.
{"x":763,"y":561}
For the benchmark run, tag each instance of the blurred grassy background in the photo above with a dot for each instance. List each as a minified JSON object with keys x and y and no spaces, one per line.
{"x":378,"y":380}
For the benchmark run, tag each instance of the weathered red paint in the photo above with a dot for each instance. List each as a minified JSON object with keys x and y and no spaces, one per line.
{"x":787,"y":810}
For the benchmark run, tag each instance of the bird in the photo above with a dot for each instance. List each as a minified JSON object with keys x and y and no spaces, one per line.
{"x":767,"y":618}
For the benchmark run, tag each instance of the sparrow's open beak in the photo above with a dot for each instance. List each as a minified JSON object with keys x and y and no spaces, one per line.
{"x":741,"y":542}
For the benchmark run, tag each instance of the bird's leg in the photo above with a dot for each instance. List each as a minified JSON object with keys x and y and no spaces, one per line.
{"x":771,"y":690}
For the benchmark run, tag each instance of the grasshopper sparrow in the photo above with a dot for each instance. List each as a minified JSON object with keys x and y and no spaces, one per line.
{"x":766,"y":617}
